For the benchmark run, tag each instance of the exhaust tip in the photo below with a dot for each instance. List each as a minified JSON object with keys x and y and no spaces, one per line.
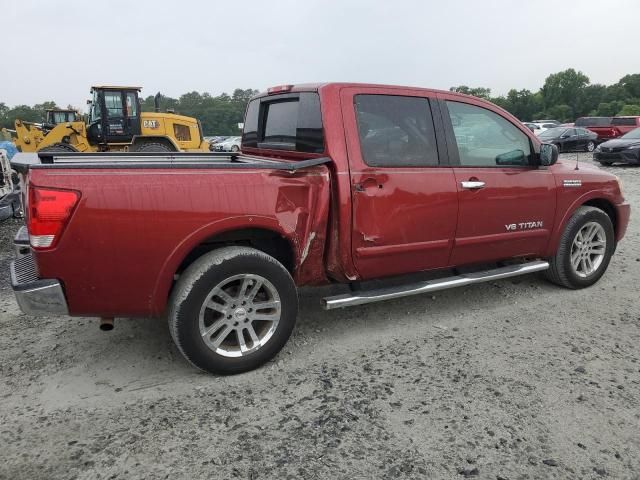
{"x":106,"y":324}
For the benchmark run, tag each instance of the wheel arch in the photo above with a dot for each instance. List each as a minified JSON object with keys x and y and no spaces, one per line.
{"x":264,"y":235}
{"x":591,"y":199}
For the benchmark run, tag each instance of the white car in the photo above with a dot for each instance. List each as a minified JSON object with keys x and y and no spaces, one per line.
{"x":231,"y":144}
{"x":542,"y":127}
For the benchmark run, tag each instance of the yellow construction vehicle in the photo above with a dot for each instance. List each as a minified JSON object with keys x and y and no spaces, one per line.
{"x":115,"y":123}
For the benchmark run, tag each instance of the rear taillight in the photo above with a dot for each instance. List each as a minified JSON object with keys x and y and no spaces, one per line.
{"x":49,"y":213}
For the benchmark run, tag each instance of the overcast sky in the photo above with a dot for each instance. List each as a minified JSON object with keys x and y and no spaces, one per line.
{"x":57,"y":50}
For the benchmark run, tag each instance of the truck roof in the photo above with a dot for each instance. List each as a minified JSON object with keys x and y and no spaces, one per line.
{"x":314,"y":87}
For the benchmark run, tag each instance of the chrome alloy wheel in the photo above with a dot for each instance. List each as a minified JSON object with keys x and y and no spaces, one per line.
{"x":239,"y":315}
{"x":588,"y":249}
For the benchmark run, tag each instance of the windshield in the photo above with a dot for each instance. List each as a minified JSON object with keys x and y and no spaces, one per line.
{"x":552,"y":132}
{"x":632,"y":135}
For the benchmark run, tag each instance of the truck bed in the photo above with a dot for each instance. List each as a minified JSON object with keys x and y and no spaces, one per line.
{"x":154,"y":210}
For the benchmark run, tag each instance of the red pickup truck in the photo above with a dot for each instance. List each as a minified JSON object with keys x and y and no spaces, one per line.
{"x":608,"y":130}
{"x":336,"y":183}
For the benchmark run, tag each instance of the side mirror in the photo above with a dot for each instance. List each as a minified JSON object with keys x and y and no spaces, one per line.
{"x":548,"y":154}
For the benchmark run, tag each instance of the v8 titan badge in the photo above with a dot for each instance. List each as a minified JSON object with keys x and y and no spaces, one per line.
{"x":523,"y":226}
{"x":151,"y":124}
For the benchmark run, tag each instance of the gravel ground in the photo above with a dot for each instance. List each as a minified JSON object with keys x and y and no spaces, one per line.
{"x":506,"y":380}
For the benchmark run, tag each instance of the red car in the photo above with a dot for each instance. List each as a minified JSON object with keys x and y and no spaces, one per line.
{"x":336,"y":183}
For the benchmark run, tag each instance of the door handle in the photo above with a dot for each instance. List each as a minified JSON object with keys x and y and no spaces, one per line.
{"x":366,"y":184}
{"x":472,"y":184}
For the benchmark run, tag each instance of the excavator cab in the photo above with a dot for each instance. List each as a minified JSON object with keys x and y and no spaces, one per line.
{"x":114,"y":115}
{"x":55,"y":116}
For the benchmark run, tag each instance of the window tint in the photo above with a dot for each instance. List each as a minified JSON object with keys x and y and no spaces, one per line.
{"x":282,"y":119}
{"x":485,"y":139}
{"x":182,"y":132}
{"x":113,"y":102}
{"x":132,"y":105}
{"x":593,"y":121}
{"x":623,"y":121}
{"x":285,"y":122}
{"x":396,"y":131}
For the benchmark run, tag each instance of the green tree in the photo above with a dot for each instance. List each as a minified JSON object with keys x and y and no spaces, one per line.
{"x":563,"y":113}
{"x":564,"y":88}
{"x":481,"y":92}
{"x":523,"y":104}
{"x":630,"y":84}
{"x":630,"y":110}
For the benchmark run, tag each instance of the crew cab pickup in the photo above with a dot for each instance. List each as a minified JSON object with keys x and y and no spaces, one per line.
{"x":363,"y":185}
{"x":616,"y":127}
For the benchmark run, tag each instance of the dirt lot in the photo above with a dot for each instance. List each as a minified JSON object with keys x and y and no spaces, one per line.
{"x":506,"y":380}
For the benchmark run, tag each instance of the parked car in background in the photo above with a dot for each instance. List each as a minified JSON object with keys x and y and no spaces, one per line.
{"x":555,"y":122}
{"x":625,"y":124}
{"x":570,"y":139}
{"x":617,"y":127}
{"x":601,"y":126}
{"x":588,"y":122}
{"x":544,"y":126}
{"x":231,"y":144}
{"x":531,"y":126}
{"x":625,"y":149}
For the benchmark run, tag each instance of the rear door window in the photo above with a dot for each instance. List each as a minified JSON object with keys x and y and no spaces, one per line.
{"x":396,"y":131}
{"x":284,"y":122}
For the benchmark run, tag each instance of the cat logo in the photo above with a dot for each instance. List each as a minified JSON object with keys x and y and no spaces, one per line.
{"x":151,"y":124}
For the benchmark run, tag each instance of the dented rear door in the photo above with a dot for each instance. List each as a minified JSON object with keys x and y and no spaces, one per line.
{"x":404,"y":197}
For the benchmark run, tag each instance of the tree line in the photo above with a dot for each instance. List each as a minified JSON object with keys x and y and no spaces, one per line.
{"x":564,"y":96}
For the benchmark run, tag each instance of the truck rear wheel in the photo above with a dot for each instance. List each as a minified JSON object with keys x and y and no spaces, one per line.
{"x":586,"y":246}
{"x":232,"y":310}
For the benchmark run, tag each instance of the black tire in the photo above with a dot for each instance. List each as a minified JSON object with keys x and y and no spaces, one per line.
{"x":58,"y":147}
{"x":606,"y":164}
{"x":194,"y":289}
{"x":591,"y":146}
{"x":235,"y":148}
{"x":152,"y":147}
{"x":559,"y":145}
{"x":561,"y":272}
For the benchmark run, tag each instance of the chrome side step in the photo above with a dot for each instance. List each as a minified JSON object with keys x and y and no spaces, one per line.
{"x":379,"y":294}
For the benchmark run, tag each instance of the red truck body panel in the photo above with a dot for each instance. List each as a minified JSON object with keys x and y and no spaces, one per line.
{"x":345,"y":221}
{"x":128,"y":235}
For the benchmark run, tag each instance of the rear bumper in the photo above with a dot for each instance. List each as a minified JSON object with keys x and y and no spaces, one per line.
{"x":35,"y":295}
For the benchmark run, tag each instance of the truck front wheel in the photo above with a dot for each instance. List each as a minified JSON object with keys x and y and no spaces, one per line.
{"x":586,"y":246}
{"x":232,"y":310}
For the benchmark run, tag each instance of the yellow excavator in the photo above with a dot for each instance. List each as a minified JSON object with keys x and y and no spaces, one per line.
{"x":115,"y":123}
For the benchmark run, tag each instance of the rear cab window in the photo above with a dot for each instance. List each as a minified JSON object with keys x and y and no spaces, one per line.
{"x":624,"y":121}
{"x":288,"y":122}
